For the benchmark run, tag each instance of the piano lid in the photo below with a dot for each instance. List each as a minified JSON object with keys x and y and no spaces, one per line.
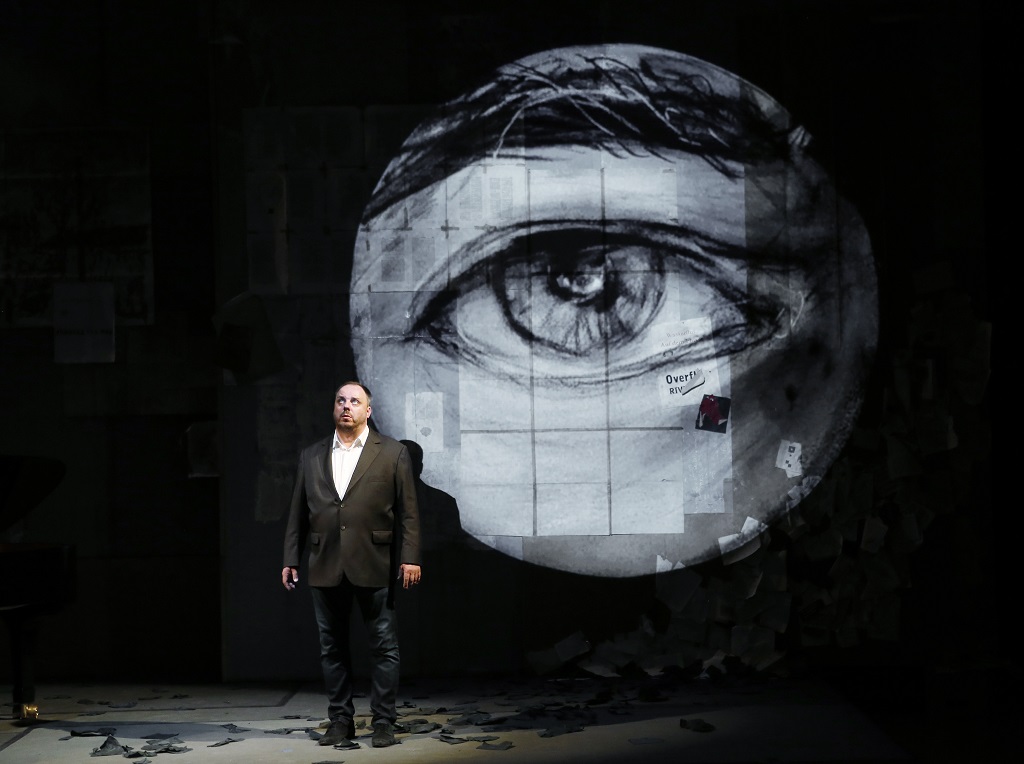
{"x":24,"y":482}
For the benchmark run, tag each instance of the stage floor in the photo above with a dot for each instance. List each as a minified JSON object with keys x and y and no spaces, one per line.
{"x":563,"y":721}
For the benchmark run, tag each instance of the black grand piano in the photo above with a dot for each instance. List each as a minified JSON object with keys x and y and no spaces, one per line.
{"x":36,"y":578}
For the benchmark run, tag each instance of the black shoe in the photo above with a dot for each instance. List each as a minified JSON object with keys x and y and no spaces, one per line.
{"x":338,"y":732}
{"x":382,"y":735}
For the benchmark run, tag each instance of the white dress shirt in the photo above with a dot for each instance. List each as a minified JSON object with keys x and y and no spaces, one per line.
{"x":344,"y":458}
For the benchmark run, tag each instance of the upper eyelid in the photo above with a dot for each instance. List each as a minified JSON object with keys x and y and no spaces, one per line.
{"x":664,"y":235}
{"x":697,"y":246}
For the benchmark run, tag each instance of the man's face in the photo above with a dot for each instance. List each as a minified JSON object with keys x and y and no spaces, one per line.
{"x":351,"y":409}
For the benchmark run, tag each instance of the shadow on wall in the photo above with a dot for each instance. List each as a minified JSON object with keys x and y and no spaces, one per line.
{"x":903,"y":508}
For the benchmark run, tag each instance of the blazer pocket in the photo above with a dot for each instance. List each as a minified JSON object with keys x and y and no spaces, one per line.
{"x":382,"y":537}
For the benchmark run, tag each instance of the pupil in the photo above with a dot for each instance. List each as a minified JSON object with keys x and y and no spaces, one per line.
{"x":580,"y":288}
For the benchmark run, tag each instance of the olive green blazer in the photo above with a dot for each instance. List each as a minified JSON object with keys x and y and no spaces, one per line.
{"x":364,"y":535}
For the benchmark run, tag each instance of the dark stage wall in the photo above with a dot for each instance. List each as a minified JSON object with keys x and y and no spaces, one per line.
{"x":153,"y":123}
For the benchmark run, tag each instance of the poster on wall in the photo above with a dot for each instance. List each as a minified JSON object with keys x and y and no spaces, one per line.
{"x":74,"y":207}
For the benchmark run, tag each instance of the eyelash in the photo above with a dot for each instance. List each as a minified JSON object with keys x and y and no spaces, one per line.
{"x":739,"y":319}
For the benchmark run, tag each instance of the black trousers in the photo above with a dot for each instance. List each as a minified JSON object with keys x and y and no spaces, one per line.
{"x":333,"y":606}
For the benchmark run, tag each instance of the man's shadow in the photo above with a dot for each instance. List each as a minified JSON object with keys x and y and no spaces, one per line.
{"x":440,"y":523}
{"x":454,"y":564}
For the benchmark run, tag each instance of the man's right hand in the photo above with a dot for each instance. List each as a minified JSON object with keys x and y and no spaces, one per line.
{"x":289,"y":577}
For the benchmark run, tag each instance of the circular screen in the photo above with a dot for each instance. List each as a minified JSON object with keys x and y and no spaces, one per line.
{"x":619,"y":306}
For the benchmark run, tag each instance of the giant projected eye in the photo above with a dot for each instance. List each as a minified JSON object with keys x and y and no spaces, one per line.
{"x":572,"y":302}
{"x":604,"y":290}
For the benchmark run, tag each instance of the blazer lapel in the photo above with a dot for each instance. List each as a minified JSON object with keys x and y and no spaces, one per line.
{"x":370,"y":450}
{"x":326,"y":466}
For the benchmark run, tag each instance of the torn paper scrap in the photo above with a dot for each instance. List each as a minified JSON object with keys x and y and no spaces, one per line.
{"x":788,"y":458}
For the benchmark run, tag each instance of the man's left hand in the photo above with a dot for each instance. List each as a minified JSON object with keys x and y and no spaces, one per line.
{"x":410,"y":574}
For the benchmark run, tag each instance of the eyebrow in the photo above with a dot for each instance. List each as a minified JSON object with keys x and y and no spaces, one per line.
{"x":665,"y":101}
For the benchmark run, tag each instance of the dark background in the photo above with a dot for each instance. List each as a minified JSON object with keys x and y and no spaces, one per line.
{"x":178,"y":573}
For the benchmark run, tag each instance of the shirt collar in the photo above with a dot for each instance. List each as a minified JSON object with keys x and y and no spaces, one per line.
{"x":358,"y":442}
